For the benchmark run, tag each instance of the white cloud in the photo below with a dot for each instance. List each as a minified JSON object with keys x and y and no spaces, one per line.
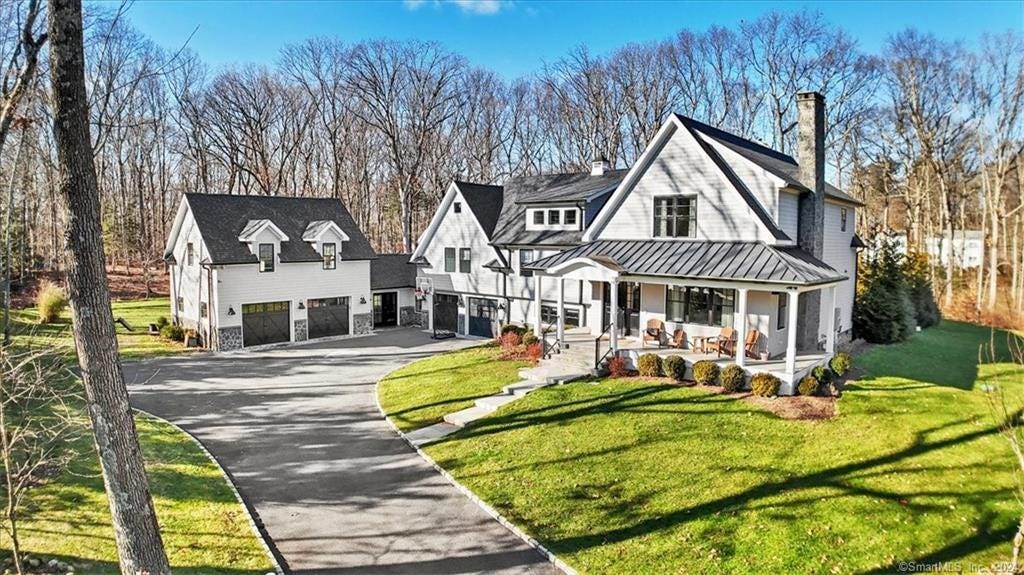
{"x":467,"y":6}
{"x":414,"y":4}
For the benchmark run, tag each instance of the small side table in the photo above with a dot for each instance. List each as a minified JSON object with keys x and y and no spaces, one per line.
{"x":700,"y":343}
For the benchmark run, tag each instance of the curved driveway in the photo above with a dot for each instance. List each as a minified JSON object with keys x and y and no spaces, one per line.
{"x":337,"y":491}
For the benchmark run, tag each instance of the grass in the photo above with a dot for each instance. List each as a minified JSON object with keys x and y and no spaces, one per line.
{"x":424,"y":392}
{"x":137,"y":344}
{"x":204,"y":528}
{"x":634,"y":476}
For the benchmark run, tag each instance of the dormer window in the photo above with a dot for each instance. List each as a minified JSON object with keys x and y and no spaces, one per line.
{"x":554,"y":217}
{"x":330,"y":254}
{"x":538,"y":218}
{"x":560,"y":219}
{"x":570,"y":217}
{"x":266,"y":257}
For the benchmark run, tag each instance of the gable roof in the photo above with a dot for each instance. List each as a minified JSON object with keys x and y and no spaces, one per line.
{"x":392,"y":271}
{"x":484,"y":201}
{"x":255,"y":227}
{"x":576,"y":188}
{"x":221,"y":218}
{"x":708,"y":260}
{"x":317,"y":228}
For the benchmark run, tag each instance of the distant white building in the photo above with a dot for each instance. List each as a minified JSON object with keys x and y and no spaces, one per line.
{"x":967,"y":248}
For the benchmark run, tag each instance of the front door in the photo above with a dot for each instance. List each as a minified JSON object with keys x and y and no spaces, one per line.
{"x":482,"y":313}
{"x":385,"y":309}
{"x":628,"y":314}
{"x":446,"y":313}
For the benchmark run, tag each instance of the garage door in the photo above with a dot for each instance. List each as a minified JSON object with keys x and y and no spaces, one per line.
{"x":264,"y":323}
{"x":328,"y":316}
{"x":482,"y":314}
{"x":446,"y":313}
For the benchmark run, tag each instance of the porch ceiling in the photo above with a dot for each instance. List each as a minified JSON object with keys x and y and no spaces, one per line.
{"x":705,"y":260}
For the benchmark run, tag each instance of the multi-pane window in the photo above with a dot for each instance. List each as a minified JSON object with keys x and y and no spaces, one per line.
{"x":700,"y":305}
{"x":181,"y":303}
{"x":782,"y":312}
{"x":538,"y":217}
{"x":449,"y":259}
{"x":465,"y":260}
{"x":549,"y":315}
{"x":554,"y":217}
{"x":842,"y":219}
{"x":525,"y":257}
{"x":266,"y":257}
{"x":570,"y":217}
{"x":190,"y":251}
{"x":330,"y":256}
{"x":675,"y":217}
{"x":202,"y":309}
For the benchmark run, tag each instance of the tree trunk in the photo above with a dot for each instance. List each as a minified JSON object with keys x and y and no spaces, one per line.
{"x":136,"y":533}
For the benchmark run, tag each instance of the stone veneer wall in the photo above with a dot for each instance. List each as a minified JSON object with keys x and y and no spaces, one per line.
{"x":362,"y":323}
{"x":229,"y":338}
{"x":408,"y":315}
{"x":301,"y":330}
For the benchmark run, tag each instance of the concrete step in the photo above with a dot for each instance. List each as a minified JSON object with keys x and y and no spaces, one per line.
{"x":493,"y":402}
{"x":461,"y":418}
{"x":425,"y":435}
{"x":523,"y":387}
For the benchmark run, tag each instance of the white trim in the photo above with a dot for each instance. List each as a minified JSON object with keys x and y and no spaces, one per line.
{"x":263,"y":224}
{"x":435,"y":222}
{"x":331,"y":226}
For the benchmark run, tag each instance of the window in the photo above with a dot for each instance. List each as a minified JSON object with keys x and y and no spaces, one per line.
{"x":570,"y":217}
{"x":266,"y":257}
{"x":449,"y":259}
{"x":706,"y":306}
{"x":782,"y":312}
{"x":538,"y":217}
{"x":189,"y":253}
{"x":554,"y":217}
{"x":202,"y":309}
{"x":465,"y":260}
{"x":549,"y":315}
{"x":525,"y":257}
{"x":675,"y":217}
{"x":458,"y":207}
{"x":181,"y":303}
{"x":330,"y":256}
{"x":842,"y":219}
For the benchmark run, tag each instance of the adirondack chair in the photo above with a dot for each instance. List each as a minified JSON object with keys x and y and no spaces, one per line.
{"x":678,"y":339}
{"x":655,"y":329}
{"x":724,"y":343}
{"x":750,"y":345}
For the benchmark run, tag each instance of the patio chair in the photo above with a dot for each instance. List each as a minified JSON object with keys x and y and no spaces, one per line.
{"x":678,"y":339}
{"x":724,"y":343}
{"x":655,"y":330}
{"x":750,"y":345}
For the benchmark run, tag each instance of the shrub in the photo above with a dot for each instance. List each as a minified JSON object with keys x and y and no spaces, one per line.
{"x":649,"y":365}
{"x":617,"y":366}
{"x":674,"y":367}
{"x":512,"y":328}
{"x":509,"y":341}
{"x":50,"y":302}
{"x":822,"y":374}
{"x":529,"y":338}
{"x":172,"y":332}
{"x":732,"y":378}
{"x":765,"y":384}
{"x":161,"y":322}
{"x":534,"y":351}
{"x":883,"y":311}
{"x":808,"y":385}
{"x":841,"y":363}
{"x":706,"y":372}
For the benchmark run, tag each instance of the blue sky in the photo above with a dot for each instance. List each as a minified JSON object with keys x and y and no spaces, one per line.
{"x":515,"y":38}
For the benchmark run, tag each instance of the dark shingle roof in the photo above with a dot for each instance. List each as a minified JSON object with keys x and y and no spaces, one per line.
{"x":485,"y":202}
{"x":222,"y":217}
{"x":551,"y":188}
{"x":710,"y":260}
{"x":392,"y":271}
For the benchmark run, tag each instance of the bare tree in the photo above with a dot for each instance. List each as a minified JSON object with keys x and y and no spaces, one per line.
{"x":22,"y":61}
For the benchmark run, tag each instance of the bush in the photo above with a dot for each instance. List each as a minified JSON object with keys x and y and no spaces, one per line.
{"x":808,"y":385}
{"x":529,"y":338}
{"x":841,"y":363}
{"x":50,"y":302}
{"x":172,"y":332}
{"x":822,"y":374}
{"x":617,"y":366}
{"x":732,"y":378}
{"x":705,"y":372}
{"x":883,"y":311}
{"x":674,"y":367}
{"x":161,"y":322}
{"x":512,"y":328}
{"x":509,"y":343}
{"x":765,"y":384}
{"x":649,"y":365}
{"x":534,"y":351}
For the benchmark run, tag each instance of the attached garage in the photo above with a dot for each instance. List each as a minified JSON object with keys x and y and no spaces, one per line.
{"x":264,"y":323}
{"x":446,"y":313}
{"x":328,"y":316}
{"x":482,"y":315}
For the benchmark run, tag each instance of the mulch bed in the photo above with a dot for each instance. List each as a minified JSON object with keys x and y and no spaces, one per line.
{"x":124,"y":285}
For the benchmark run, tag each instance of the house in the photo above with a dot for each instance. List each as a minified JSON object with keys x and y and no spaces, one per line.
{"x":255,"y":270}
{"x":393,"y":287}
{"x":705,"y":231}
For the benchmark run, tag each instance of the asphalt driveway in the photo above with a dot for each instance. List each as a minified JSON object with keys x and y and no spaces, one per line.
{"x":336,"y":490}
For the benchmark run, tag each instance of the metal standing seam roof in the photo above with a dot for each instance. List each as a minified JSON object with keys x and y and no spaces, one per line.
{"x":712,"y":260}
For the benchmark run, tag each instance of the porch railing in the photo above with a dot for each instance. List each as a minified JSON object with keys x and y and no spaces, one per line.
{"x":549,"y":348}
{"x":598,"y":356}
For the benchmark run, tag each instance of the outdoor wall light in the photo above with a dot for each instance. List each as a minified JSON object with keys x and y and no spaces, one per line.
{"x":231,"y":310}
{"x":302,"y":304}
{"x":362,"y":299}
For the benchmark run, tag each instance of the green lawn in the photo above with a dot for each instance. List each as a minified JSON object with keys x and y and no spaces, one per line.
{"x":632,"y":476}
{"x":137,"y":344}
{"x":422,"y":393}
{"x":204,"y":528}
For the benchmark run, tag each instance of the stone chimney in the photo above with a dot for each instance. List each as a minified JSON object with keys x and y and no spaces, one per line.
{"x":811,"y":231}
{"x":599,"y":166}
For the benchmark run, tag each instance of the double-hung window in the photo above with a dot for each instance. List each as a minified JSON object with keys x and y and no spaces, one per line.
{"x":554,"y":217}
{"x":465,"y":260}
{"x":525,"y":257}
{"x":570,"y":217}
{"x":190,"y":251}
{"x":842,"y":219}
{"x":538,"y":218}
{"x":675,"y":217}
{"x":449,"y":259}
{"x":330,"y":256}
{"x":700,"y":305}
{"x":266,"y":257}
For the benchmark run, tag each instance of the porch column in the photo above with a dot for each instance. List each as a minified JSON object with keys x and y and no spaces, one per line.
{"x":791,"y":328}
{"x":613,"y":315}
{"x":538,"y":329}
{"x":561,"y":312}
{"x":830,"y":323}
{"x":741,"y":327}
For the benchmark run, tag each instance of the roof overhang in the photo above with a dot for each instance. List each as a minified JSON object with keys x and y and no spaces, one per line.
{"x":255,"y":227}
